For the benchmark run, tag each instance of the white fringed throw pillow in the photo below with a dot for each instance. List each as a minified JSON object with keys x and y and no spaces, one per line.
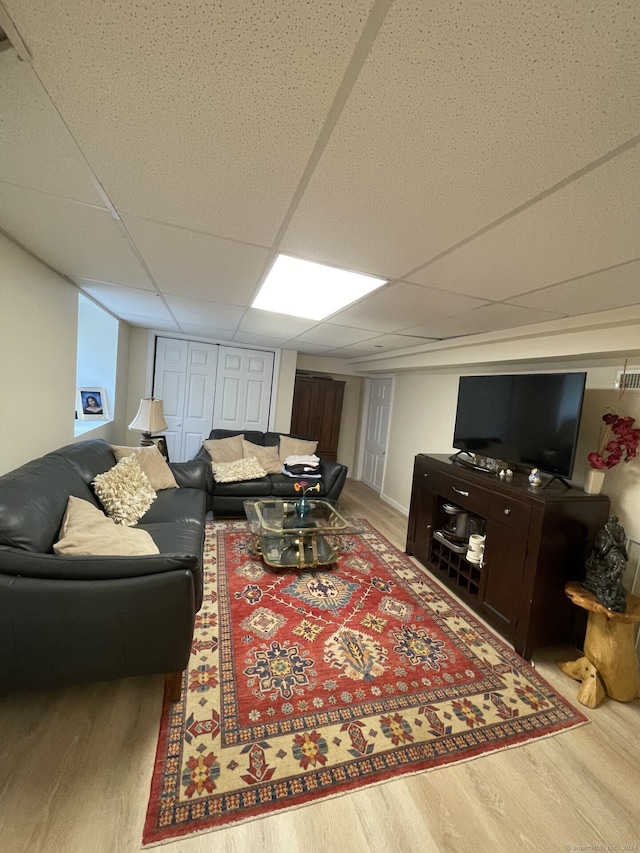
{"x":124,"y":491}
{"x":241,"y":469}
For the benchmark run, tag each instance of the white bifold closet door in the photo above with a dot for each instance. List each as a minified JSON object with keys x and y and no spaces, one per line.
{"x":207,"y":385}
{"x":243,"y":389}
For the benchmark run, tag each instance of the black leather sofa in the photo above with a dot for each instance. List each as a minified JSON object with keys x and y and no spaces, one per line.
{"x":67,"y":618}
{"x":228,"y":498}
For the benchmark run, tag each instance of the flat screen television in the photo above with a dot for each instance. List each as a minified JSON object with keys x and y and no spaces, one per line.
{"x":528,"y":419}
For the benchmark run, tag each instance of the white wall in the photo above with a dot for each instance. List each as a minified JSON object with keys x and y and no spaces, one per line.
{"x":38,"y":341}
{"x":38,"y":333}
{"x":423,"y":417}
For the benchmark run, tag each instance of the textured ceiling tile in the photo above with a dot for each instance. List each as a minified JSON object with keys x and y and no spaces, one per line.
{"x":308,"y":348}
{"x":189,"y":263}
{"x":28,"y":119}
{"x":378,"y":345}
{"x":75,"y":239}
{"x":489,"y":318}
{"x":462,"y":113}
{"x":398,"y":305}
{"x":221,"y":141}
{"x":332,"y":336}
{"x":259,"y":340}
{"x":256,"y":321}
{"x":588,"y":225}
{"x":200,"y":312}
{"x":135,"y":303}
{"x":208,"y":332}
{"x":601,"y":291}
{"x":151,"y":323}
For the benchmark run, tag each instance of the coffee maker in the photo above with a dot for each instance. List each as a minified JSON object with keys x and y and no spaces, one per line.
{"x":457,"y":527}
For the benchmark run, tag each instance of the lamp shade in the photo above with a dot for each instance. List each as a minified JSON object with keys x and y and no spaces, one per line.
{"x":150,"y":417}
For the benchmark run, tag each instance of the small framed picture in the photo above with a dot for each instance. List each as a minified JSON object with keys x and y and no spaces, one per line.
{"x":92,"y":404}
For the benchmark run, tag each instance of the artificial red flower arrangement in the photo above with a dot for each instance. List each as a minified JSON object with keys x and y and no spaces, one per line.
{"x":618,"y":440}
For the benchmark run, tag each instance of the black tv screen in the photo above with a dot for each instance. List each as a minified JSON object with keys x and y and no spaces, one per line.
{"x":527,"y":419}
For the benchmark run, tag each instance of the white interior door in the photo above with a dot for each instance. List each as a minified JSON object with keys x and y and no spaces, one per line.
{"x":377,"y":431}
{"x":185,"y":380}
{"x":243,"y":389}
{"x":168,"y":385}
{"x":199,"y":394}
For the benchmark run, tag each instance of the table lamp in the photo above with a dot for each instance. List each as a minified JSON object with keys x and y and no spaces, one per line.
{"x":149,"y":419}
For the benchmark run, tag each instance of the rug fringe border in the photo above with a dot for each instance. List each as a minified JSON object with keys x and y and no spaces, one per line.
{"x":230,"y":824}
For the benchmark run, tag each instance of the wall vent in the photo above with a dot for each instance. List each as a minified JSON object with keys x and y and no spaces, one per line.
{"x":631,"y":379}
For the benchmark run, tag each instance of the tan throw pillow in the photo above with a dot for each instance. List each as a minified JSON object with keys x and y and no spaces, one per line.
{"x":267,"y":456}
{"x":86,"y":530}
{"x":224,"y":449}
{"x":241,"y":469}
{"x":124,"y":491}
{"x":153,"y":464}
{"x":296,"y":447}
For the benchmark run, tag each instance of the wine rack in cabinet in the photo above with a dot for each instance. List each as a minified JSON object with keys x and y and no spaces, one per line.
{"x":536,"y":539}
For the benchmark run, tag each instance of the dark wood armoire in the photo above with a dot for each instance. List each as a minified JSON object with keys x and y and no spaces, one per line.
{"x":317,"y":409}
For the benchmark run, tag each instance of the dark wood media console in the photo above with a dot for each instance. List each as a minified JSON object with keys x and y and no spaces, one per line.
{"x":537,"y":539}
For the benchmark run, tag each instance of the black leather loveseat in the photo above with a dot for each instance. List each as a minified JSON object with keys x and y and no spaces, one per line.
{"x":228,"y":498}
{"x":75,"y":618}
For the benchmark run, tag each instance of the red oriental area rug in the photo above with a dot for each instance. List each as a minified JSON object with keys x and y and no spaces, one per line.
{"x":304,"y":685}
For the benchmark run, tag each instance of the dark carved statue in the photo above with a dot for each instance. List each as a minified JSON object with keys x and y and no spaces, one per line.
{"x":606,"y":565}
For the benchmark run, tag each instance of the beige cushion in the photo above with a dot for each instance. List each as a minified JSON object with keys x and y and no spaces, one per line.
{"x":241,"y":469}
{"x":152,"y":463}
{"x":224,"y":449}
{"x":296,"y":447}
{"x":124,"y":491}
{"x":268,"y":457}
{"x":87,"y":530}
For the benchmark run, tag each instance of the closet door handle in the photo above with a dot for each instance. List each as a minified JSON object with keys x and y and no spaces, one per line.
{"x":460,"y":492}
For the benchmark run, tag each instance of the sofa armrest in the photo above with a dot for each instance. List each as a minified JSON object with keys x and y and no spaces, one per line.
{"x":60,"y":631}
{"x":203,"y":456}
{"x":28,"y":564}
{"x":191,"y":474}
{"x":334,"y":475}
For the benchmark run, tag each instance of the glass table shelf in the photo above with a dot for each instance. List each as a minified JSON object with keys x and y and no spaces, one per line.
{"x":286,"y":540}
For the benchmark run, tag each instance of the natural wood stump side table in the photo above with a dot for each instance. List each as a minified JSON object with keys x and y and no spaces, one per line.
{"x":609,"y":666}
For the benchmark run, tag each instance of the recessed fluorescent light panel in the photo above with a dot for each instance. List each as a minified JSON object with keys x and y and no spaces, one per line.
{"x":309,"y":290}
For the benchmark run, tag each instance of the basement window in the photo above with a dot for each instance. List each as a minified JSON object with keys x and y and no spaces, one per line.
{"x":96,"y":360}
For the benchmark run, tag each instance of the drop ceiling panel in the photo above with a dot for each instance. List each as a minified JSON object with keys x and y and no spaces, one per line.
{"x":379,"y":344}
{"x":200,"y":312}
{"x":259,"y":340}
{"x":590,"y":224}
{"x":78,"y":240}
{"x":462,"y":113}
{"x":329,"y":335}
{"x":282,"y":326}
{"x":220,"y":142}
{"x":28,"y":119}
{"x":613,"y":288}
{"x":189,"y":263}
{"x":489,"y":318}
{"x":400,"y":305}
{"x":127,"y":300}
{"x":151,"y":323}
{"x":208,"y":332}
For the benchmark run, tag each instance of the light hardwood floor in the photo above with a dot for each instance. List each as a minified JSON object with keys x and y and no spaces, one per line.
{"x":76,"y":765}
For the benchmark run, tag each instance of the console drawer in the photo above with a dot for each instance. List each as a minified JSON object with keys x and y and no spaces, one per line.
{"x":464,"y":494}
{"x":509,"y":512}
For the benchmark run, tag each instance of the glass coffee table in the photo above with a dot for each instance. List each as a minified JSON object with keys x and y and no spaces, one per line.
{"x":285,"y":540}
